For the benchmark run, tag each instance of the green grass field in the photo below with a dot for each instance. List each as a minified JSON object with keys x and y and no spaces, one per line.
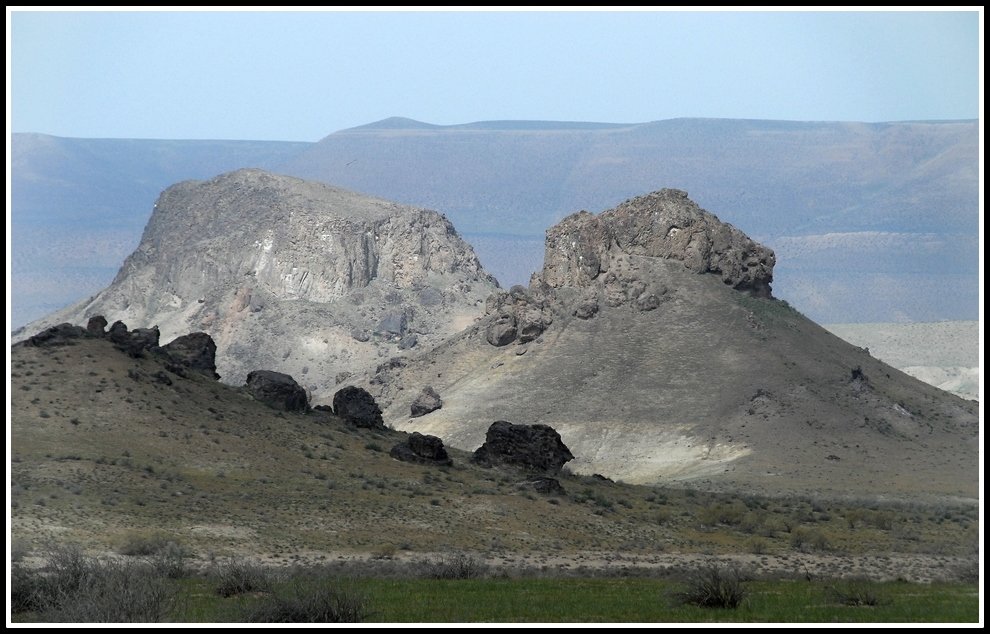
{"x":615,"y":601}
{"x":72,"y":587}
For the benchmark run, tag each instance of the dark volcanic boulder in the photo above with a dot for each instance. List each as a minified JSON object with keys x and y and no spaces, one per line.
{"x":536,"y":447}
{"x":196,"y":351}
{"x":502,"y":331}
{"x":586,"y":310}
{"x":531,"y":324}
{"x":357,"y":406}
{"x":427,"y":401}
{"x":118,"y":332}
{"x":134,"y":342}
{"x":277,"y":390}
{"x":59,"y":335}
{"x":421,"y":449}
{"x":96,"y":326}
{"x":147,"y":338}
{"x":409,"y":341}
{"x":393,"y":323}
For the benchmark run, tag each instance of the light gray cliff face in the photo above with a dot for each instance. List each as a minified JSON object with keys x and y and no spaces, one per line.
{"x":295,"y":239}
{"x":294,"y":276}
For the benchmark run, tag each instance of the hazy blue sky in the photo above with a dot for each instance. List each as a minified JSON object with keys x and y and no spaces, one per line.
{"x":301,"y":76}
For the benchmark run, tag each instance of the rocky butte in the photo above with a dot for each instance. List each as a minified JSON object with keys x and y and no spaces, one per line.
{"x":651,"y":342}
{"x":293,"y":276}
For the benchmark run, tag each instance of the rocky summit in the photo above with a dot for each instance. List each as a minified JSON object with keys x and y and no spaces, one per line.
{"x":293,"y":276}
{"x":584,"y":249}
{"x":651,"y":342}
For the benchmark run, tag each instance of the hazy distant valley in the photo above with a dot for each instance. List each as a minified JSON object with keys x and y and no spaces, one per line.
{"x":944,"y":354}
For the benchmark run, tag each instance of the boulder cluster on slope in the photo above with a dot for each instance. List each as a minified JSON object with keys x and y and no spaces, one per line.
{"x":518,"y":316}
{"x":195,"y":351}
{"x":535,"y":448}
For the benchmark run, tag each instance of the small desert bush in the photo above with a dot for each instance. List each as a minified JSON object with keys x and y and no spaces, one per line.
{"x":142,"y":544}
{"x":23,"y":580}
{"x":233,"y":577}
{"x":723,"y":514}
{"x":165,"y":554}
{"x":114,"y":592}
{"x":807,"y":539}
{"x":714,"y":587}
{"x":170,"y":561}
{"x":73,"y":588}
{"x":753,"y":522}
{"x":307,"y":599}
{"x":855,"y":517}
{"x":663,"y":516}
{"x":24,"y":588}
{"x":385,"y":551}
{"x":65,"y":570}
{"x":856,"y":592}
{"x":455,"y":566}
{"x":882,"y":520}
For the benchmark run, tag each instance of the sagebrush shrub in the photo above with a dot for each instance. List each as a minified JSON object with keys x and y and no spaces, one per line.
{"x":455,"y":566}
{"x":307,"y":599}
{"x":856,"y":592}
{"x":714,"y":587}
{"x":234,"y":577}
{"x":73,"y":588}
